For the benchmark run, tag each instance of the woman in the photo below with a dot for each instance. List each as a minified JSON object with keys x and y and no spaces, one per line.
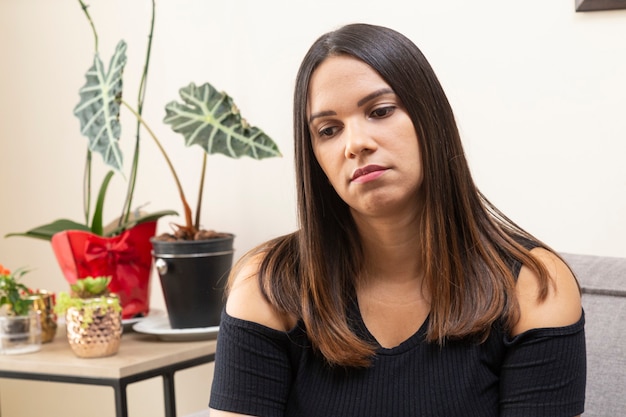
{"x":404,"y":292}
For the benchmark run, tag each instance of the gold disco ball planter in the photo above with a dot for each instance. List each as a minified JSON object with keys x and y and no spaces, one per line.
{"x":93,"y":318}
{"x":94,"y":331}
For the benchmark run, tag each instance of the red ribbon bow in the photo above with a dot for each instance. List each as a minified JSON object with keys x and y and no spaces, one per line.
{"x":110,"y":251}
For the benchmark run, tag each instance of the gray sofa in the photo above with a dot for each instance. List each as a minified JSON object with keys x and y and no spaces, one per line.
{"x":603,"y":280}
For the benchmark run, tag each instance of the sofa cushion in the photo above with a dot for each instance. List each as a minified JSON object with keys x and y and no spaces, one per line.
{"x":603,"y":282}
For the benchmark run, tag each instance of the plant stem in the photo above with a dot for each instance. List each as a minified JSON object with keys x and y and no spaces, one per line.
{"x":188,"y":221}
{"x":201,"y":190}
{"x":93,"y":28}
{"x":87,"y":187}
{"x":140,"y":100}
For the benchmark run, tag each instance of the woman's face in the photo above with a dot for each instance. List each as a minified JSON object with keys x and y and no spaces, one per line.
{"x":363,"y":138}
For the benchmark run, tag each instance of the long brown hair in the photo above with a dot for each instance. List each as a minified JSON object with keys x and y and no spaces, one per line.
{"x":468,"y":245}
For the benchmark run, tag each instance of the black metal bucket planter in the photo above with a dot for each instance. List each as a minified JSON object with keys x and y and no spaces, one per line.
{"x":193,"y":275}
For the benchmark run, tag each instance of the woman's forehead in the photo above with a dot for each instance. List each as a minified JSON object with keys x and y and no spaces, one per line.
{"x":340,"y":78}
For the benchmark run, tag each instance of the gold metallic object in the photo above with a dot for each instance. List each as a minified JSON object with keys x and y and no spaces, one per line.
{"x":94,"y":331}
{"x":43,"y":304}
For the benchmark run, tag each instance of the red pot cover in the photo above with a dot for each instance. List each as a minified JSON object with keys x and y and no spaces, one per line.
{"x":126,"y":258}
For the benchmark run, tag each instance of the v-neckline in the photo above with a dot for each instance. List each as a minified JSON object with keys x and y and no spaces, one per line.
{"x":417,"y":337}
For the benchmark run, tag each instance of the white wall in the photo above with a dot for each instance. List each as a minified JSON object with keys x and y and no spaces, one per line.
{"x":539,"y":93}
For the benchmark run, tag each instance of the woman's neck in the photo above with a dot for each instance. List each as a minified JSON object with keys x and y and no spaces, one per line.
{"x":391,"y":247}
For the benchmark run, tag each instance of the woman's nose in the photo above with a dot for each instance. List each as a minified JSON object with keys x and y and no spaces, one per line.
{"x":358,"y":140}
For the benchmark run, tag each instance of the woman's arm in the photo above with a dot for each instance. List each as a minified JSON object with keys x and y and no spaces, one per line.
{"x":544,"y":370}
{"x":252,"y":374}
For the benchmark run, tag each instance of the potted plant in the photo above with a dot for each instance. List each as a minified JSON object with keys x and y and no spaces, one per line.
{"x":206,"y":117}
{"x":13,"y":294}
{"x":20,"y":328}
{"x":122,"y":248}
{"x":93,"y":317}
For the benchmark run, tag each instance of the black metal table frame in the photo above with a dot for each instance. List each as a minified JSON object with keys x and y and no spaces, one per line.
{"x":119,"y":384}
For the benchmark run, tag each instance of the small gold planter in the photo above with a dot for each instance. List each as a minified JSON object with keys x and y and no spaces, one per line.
{"x":94,"y":330}
{"x":43,"y":304}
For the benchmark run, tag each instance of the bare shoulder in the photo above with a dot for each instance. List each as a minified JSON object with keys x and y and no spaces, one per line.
{"x":561,"y":307}
{"x":246,"y":301}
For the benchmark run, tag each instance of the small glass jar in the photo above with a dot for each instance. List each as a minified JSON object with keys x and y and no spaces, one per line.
{"x":20,"y":334}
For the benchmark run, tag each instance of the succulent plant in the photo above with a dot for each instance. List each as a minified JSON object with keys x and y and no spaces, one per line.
{"x":89,"y":294}
{"x":90,"y":287}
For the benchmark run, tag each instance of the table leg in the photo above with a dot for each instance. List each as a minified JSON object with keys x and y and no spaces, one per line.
{"x":169,"y":394}
{"x":121,"y":401}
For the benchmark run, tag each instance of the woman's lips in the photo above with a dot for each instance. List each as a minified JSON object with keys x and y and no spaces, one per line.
{"x":367,"y":173}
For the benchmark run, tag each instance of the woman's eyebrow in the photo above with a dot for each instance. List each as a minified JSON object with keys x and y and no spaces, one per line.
{"x":374,"y":95}
{"x":321,"y":114}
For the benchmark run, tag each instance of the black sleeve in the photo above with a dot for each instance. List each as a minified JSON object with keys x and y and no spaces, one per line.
{"x":252,"y":369}
{"x":544,"y":373}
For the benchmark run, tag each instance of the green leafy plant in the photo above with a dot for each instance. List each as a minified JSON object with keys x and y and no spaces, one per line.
{"x":90,"y":287}
{"x":89,"y":294}
{"x":14,"y":294}
{"x":206,"y":117}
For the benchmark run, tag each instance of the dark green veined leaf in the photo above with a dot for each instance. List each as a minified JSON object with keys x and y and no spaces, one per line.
{"x":99,"y":107}
{"x":210,"y":119}
{"x":46,"y":231}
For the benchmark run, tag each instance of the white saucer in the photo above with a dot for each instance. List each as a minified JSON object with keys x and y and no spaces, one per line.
{"x":159,"y":326}
{"x":128,"y":323}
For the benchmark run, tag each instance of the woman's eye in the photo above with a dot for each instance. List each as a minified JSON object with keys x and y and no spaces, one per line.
{"x":382,"y":112}
{"x":326,"y":132}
